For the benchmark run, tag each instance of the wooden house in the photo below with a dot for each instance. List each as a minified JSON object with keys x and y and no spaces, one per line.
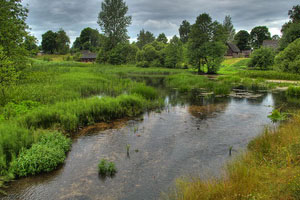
{"x":233,"y":51}
{"x":88,"y":56}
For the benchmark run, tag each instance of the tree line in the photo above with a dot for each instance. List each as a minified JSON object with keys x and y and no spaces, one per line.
{"x":201,"y":45}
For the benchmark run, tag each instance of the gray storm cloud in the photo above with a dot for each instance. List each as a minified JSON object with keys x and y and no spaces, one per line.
{"x":156,"y":16}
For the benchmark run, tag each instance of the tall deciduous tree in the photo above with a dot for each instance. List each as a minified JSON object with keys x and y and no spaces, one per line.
{"x":291,"y":30}
{"x":12,"y":35}
{"x":294,"y":14}
{"x":173,"y":53}
{"x":49,"y":42}
{"x":30,"y":44}
{"x":13,"y":31}
{"x":258,"y":35}
{"x":227,"y":23}
{"x":162,"y":38}
{"x":184,"y":30}
{"x":242,"y":40}
{"x":206,"y":44}
{"x":62,"y":42}
{"x":114,"y":22}
{"x":144,"y":37}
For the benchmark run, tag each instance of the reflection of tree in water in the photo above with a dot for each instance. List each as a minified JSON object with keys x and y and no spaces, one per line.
{"x":207,"y":109}
{"x":285,"y":103}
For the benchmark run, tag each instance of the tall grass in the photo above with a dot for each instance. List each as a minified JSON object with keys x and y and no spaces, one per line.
{"x":269,"y":170}
{"x":269,"y":75}
{"x":69,"y":116}
{"x":293,"y":91}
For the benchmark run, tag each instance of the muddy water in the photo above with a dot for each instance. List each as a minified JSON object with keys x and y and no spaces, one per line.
{"x":189,"y":137}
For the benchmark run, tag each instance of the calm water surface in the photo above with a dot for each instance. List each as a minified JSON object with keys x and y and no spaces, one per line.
{"x":188,"y":137}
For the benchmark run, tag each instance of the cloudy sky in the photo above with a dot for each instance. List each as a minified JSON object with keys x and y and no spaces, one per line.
{"x":156,"y":15}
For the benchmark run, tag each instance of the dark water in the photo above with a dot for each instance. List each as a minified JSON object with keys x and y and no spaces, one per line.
{"x":189,"y":137}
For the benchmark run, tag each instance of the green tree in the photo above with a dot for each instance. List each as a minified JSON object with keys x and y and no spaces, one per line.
{"x":294,"y":14}
{"x":289,"y":35}
{"x":114,"y":22}
{"x":184,"y":30}
{"x":90,"y":39}
{"x":8,"y":74}
{"x":227,"y":23}
{"x":30,"y":44}
{"x":275,"y":37}
{"x":62,"y":42}
{"x":49,"y":42}
{"x":174,"y":53}
{"x":242,"y":40}
{"x":206,"y":46}
{"x":262,"y":58}
{"x":144,"y":37}
{"x":258,"y":35}
{"x":288,"y":60}
{"x":162,"y":38}
{"x":13,"y":31}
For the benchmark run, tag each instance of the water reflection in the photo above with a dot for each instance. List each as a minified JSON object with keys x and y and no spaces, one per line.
{"x":191,"y":136}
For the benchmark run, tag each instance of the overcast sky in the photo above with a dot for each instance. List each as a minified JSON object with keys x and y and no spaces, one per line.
{"x":156,"y":16}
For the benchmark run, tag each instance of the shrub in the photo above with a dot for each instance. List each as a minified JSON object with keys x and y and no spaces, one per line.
{"x":288,"y":60}
{"x":43,"y":156}
{"x":107,"y":168}
{"x":262,"y":58}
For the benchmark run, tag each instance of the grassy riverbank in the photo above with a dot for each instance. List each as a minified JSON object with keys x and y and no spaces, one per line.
{"x":269,"y":170}
{"x":53,"y":100}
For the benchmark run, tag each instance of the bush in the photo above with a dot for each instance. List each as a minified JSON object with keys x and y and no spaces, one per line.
{"x":262,"y":58}
{"x":43,"y":156}
{"x":288,"y":60}
{"x":107,"y":168}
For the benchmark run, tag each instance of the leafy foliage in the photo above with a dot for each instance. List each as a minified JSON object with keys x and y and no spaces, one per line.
{"x":262,"y":58}
{"x":174,"y":53}
{"x":43,"y":156}
{"x":184,"y":30}
{"x":144,"y":37}
{"x":228,"y":26}
{"x":162,"y":38}
{"x":49,"y":42}
{"x":258,"y":35}
{"x":206,"y":46}
{"x":288,"y":60}
{"x":107,"y":168}
{"x":113,"y":11}
{"x":242,"y":40}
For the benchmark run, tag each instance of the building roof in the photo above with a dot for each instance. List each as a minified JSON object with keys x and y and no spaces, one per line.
{"x":233,"y":47}
{"x":88,"y":55}
{"x":271,"y":43}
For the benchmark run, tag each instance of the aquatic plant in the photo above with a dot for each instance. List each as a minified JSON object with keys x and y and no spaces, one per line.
{"x":43,"y":156}
{"x":107,"y":168}
{"x":277,"y":116}
{"x":128,"y":148}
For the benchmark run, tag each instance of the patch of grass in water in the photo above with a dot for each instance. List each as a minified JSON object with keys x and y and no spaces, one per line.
{"x":107,"y":168}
